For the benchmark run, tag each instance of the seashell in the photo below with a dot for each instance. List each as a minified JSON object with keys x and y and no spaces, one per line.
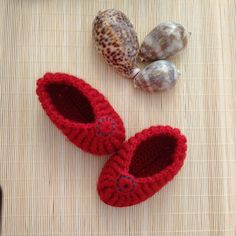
{"x":157,"y":76}
{"x":165,"y":40}
{"x":117,"y":41}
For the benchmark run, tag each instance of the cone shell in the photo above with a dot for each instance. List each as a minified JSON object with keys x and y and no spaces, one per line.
{"x":116,"y":39}
{"x":158,"y":76}
{"x":165,"y":40}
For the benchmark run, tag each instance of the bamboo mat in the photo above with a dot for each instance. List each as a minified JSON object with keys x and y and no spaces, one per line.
{"x":49,"y":185}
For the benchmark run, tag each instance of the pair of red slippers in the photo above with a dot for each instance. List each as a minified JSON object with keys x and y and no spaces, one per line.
{"x":140,"y":166}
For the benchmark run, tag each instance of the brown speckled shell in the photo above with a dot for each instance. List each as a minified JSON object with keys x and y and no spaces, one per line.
{"x":116,"y":39}
{"x":165,"y":40}
{"x":157,"y":76}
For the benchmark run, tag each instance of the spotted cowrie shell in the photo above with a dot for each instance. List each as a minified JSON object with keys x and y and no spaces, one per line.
{"x":116,"y":40}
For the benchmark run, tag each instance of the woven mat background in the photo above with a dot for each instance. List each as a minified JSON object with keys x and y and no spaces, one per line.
{"x":49,"y":185}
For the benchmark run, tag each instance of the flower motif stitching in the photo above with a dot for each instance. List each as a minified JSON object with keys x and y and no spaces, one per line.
{"x":105,"y":126}
{"x":125,"y":184}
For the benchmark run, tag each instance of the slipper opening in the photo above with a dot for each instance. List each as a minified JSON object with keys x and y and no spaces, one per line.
{"x":71,"y":103}
{"x":153,"y":155}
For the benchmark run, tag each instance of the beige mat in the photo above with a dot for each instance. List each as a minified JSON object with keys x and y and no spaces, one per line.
{"x":50,"y":186}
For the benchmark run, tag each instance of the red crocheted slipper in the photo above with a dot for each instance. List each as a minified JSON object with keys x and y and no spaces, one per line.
{"x":81,"y":112}
{"x":144,"y":164}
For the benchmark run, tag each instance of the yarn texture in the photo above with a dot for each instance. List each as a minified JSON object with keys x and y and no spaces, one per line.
{"x":81,"y":113}
{"x":143,"y":165}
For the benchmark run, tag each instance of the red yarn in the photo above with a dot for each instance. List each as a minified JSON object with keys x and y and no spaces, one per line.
{"x":143,"y":165}
{"x":81,"y":112}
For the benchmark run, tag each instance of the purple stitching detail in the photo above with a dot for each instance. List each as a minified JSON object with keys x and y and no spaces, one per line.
{"x":100,"y":122}
{"x":125,"y":177}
